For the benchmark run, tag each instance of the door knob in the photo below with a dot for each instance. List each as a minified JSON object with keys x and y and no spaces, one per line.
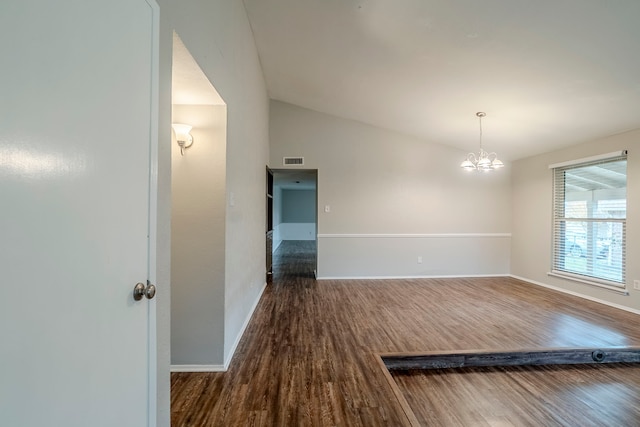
{"x":140,"y":290}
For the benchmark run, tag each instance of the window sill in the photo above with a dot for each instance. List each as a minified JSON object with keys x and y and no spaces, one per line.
{"x":620,"y":289}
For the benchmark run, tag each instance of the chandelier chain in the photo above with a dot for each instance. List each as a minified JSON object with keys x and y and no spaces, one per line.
{"x":480,"y":115}
{"x":480,"y":120}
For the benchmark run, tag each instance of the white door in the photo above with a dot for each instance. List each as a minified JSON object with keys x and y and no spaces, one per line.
{"x":76,"y":120}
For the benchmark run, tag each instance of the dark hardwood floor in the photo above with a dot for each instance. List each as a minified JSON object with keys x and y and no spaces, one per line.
{"x":556,"y":395}
{"x":309,"y":355}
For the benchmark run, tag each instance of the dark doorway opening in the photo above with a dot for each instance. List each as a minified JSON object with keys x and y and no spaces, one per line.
{"x":292,"y":223}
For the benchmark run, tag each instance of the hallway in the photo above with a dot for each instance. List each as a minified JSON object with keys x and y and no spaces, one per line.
{"x":294,"y":261}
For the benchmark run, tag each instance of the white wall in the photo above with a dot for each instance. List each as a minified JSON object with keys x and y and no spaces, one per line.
{"x":532,"y":217}
{"x":277,"y":216}
{"x":378,"y":182}
{"x":299,"y":206}
{"x":298,"y":215}
{"x":218,"y":35}
{"x":297,"y":231}
{"x":198,"y":238}
{"x":375,"y":256}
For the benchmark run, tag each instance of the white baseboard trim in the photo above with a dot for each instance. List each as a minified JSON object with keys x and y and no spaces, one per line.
{"x":457,"y":276}
{"x":577,"y":294}
{"x":198,"y":368}
{"x":227,"y":361}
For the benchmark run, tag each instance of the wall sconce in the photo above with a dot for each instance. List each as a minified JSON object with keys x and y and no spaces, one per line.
{"x":183,"y":136}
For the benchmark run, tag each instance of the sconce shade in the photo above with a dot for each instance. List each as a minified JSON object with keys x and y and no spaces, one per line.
{"x":183,"y":137}
{"x":182,"y":131}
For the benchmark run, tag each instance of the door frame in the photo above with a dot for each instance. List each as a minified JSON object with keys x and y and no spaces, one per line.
{"x":292,"y":173}
{"x":154,"y":166}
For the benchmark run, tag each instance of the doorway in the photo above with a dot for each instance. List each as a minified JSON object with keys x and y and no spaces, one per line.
{"x":294,"y":215}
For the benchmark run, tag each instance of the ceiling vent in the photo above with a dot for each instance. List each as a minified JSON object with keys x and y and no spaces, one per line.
{"x":293,"y":161}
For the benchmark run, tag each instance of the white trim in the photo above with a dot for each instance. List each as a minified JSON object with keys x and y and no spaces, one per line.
{"x":412,"y":236}
{"x":227,"y":361}
{"x":456,"y":276}
{"x":198,"y":368}
{"x":614,"y":287}
{"x":589,"y":159}
{"x":576,"y":294}
{"x":153,"y":393}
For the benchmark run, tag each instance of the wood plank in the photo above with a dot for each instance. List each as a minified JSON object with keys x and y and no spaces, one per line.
{"x":412,"y":421}
{"x":548,"y":395}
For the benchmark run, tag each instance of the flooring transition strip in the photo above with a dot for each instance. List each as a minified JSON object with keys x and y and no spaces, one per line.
{"x":483,"y":358}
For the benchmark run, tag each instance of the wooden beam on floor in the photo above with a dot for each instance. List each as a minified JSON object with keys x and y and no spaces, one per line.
{"x":528,"y":357}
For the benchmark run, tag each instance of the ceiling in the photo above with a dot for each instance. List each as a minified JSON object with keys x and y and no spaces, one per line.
{"x":189,"y":85}
{"x":295,"y":179}
{"x":548,"y":73}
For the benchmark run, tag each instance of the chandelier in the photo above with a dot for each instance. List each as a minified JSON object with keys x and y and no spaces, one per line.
{"x":483,"y":161}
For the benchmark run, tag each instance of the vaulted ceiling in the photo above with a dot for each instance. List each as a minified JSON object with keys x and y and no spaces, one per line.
{"x":548,"y":73}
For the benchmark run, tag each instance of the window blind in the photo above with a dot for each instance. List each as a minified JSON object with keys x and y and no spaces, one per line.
{"x":589,"y":224}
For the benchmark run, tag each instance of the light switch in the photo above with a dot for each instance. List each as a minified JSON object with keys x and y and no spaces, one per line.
{"x":327,"y":208}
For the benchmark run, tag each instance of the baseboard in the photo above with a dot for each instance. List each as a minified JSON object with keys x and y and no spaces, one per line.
{"x":198,"y":368}
{"x":227,"y":361}
{"x":577,"y":294}
{"x":457,"y":276}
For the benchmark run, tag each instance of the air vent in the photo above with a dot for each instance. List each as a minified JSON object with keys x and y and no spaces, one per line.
{"x":289,"y":161}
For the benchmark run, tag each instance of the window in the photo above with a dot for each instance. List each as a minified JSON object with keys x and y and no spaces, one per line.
{"x":589,"y":224}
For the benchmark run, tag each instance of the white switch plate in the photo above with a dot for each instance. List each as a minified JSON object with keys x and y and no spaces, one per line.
{"x":327,"y":208}
{"x":636,"y":285}
{"x":419,"y":260}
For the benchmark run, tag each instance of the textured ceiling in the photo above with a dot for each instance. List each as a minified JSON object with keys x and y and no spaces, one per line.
{"x":548,"y":73}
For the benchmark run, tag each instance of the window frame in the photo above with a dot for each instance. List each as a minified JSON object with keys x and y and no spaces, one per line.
{"x":560,"y":221}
